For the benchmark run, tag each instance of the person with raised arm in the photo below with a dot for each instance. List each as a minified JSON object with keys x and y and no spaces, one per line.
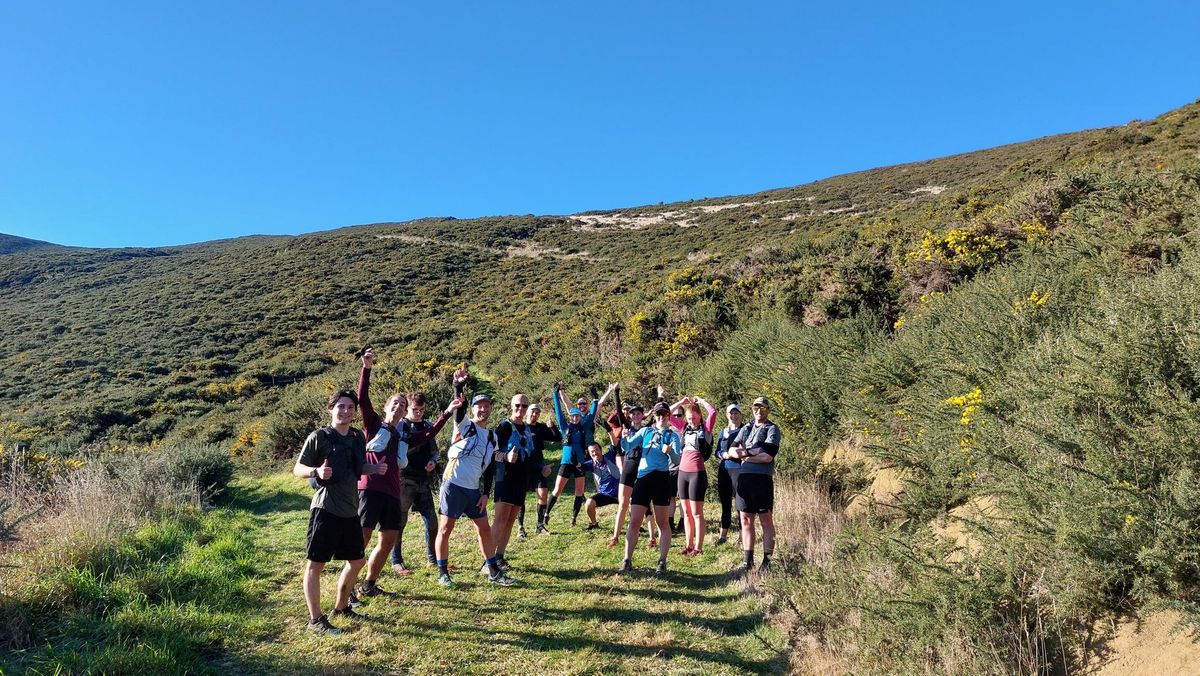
{"x":692,"y":483}
{"x":380,"y":497}
{"x":629,"y":454}
{"x":756,"y":446}
{"x":515,"y":441}
{"x":578,"y":430}
{"x":466,"y":483}
{"x":539,"y":469}
{"x":727,"y":469}
{"x":333,"y":458}
{"x":653,"y":486}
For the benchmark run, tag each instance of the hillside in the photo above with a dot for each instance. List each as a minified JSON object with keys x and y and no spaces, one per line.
{"x":989,"y":362}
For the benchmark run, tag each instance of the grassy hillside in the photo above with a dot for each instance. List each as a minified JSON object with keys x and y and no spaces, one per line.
{"x":990,"y":360}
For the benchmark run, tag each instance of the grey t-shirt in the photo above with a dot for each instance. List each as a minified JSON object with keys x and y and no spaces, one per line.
{"x":753,"y":435}
{"x":346,"y":454}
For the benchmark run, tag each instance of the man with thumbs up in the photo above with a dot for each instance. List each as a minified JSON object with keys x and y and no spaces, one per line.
{"x":334,"y":458}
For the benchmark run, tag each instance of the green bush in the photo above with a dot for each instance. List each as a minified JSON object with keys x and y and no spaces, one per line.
{"x":206,"y":466}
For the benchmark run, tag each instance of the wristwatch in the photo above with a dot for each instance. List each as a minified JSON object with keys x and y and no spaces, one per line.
{"x":312,"y":473}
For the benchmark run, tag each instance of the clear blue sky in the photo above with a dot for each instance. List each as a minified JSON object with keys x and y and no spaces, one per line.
{"x":154,"y":123}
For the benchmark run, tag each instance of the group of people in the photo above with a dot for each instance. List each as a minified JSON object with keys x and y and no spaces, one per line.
{"x":372,"y":479}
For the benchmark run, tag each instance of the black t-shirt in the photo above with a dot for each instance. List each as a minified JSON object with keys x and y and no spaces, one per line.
{"x":346,"y":454}
{"x":419,"y":456}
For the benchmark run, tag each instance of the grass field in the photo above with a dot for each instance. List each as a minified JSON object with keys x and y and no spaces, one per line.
{"x":220,"y":592}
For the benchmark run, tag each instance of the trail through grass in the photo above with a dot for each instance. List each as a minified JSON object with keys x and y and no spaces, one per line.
{"x":570,"y":612}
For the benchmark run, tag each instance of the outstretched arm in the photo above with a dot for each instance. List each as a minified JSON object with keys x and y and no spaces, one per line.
{"x":460,"y":385}
{"x":418,"y":437}
{"x":559,"y":404}
{"x":371,"y":421}
{"x":710,"y":421}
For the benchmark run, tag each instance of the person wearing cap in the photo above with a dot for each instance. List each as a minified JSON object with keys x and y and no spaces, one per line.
{"x":659,"y":445}
{"x":578,"y":431}
{"x":466,"y":483}
{"x":624,"y":425}
{"x":756,"y":445}
{"x":515,"y":441}
{"x":727,"y":469}
{"x":539,"y":469}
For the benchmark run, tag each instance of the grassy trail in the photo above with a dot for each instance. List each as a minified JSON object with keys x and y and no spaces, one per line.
{"x":569,"y":613}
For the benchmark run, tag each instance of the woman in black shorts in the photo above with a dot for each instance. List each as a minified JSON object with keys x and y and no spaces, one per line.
{"x":653,"y":485}
{"x":693,"y":480}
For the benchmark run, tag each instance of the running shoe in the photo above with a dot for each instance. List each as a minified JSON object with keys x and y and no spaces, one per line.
{"x":348,"y":613}
{"x":573,"y":523}
{"x":503,"y":563}
{"x":521,"y":532}
{"x":501,"y":579}
{"x":722,"y":540}
{"x":662,"y":568}
{"x":322,"y":627}
{"x":542,"y":529}
{"x":626,"y":566}
{"x":404,"y":571}
{"x":612,"y":542}
{"x":593,"y":526}
{"x":355,"y":601}
{"x":445,"y":580}
{"x":652,"y":543}
{"x":369,"y":589}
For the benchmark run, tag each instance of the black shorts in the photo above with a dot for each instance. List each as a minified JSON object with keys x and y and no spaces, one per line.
{"x":333,"y":537}
{"x":754,"y":493}
{"x":603,"y":500}
{"x":416,"y":495}
{"x":570,"y":471}
{"x":655,"y":487}
{"x":378,"y":510}
{"x":535,"y":480}
{"x":692,"y":485}
{"x":629,"y":474}
{"x":512,"y":489}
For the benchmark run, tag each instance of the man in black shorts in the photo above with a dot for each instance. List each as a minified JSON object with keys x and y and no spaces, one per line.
{"x":334,"y":457}
{"x":539,"y":469}
{"x":514,"y":441}
{"x":756,"y":446}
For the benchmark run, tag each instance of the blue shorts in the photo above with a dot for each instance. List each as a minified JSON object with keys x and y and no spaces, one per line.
{"x":455,"y":502}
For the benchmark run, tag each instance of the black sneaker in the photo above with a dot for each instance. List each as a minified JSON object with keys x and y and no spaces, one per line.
{"x":503,"y":564}
{"x":321,"y":627}
{"x":355,"y":601}
{"x":593,"y":526}
{"x":369,"y":589}
{"x":626,"y":566}
{"x":521,"y":532}
{"x":764,"y":567}
{"x":542,"y":529}
{"x":662,"y":568}
{"x":573,"y":523}
{"x":722,"y":540}
{"x":501,"y":579}
{"x":348,"y":613}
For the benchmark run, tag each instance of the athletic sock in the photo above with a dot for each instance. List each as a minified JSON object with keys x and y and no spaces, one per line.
{"x":443,"y":566}
{"x":521,"y":517}
{"x":748,"y":558}
{"x":766,"y":562}
{"x":549,"y":506}
{"x":493,"y":566}
{"x":575,"y":510}
{"x":541,"y":514}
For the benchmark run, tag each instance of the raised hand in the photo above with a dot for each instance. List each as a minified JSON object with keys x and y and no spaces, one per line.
{"x":368,"y":358}
{"x":460,"y":376}
{"x":458,"y":401}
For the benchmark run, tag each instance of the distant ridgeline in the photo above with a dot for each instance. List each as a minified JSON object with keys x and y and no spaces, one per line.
{"x":797,"y":293}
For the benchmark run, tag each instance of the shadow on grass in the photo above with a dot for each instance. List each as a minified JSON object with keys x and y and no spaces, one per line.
{"x":260,"y":500}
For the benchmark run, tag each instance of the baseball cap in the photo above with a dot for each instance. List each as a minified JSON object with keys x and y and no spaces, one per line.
{"x":535,"y":407}
{"x":762,"y":401}
{"x":636,"y":407}
{"x":661,"y":407}
{"x":731,"y":408}
{"x":574,"y":411}
{"x":481,"y":397}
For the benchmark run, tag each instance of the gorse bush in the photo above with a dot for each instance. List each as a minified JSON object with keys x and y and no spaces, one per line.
{"x":206,"y":466}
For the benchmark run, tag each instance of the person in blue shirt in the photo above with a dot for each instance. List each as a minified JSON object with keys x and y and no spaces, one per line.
{"x":727,"y":468}
{"x":578,"y":429}
{"x":603,"y":467}
{"x":660,"y":448}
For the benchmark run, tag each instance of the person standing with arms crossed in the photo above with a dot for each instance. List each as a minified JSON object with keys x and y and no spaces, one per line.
{"x":756,"y":446}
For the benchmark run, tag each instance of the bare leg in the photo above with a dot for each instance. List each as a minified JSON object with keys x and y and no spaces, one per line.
{"x":312,"y":588}
{"x":623,"y":492}
{"x":442,"y":545}
{"x":747,"y":532}
{"x":689,"y":538}
{"x":387,"y":540}
{"x":663,"y":516}
{"x":768,"y":527}
{"x":346,"y":581}
{"x":591,"y":512}
{"x":699,"y":526}
{"x":502,"y":527}
{"x":636,"y":514}
{"x":486,"y":546}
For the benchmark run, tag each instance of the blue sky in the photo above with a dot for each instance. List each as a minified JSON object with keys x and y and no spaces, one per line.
{"x":156,"y":123}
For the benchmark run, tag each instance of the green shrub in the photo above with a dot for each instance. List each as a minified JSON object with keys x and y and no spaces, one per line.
{"x":206,"y":466}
